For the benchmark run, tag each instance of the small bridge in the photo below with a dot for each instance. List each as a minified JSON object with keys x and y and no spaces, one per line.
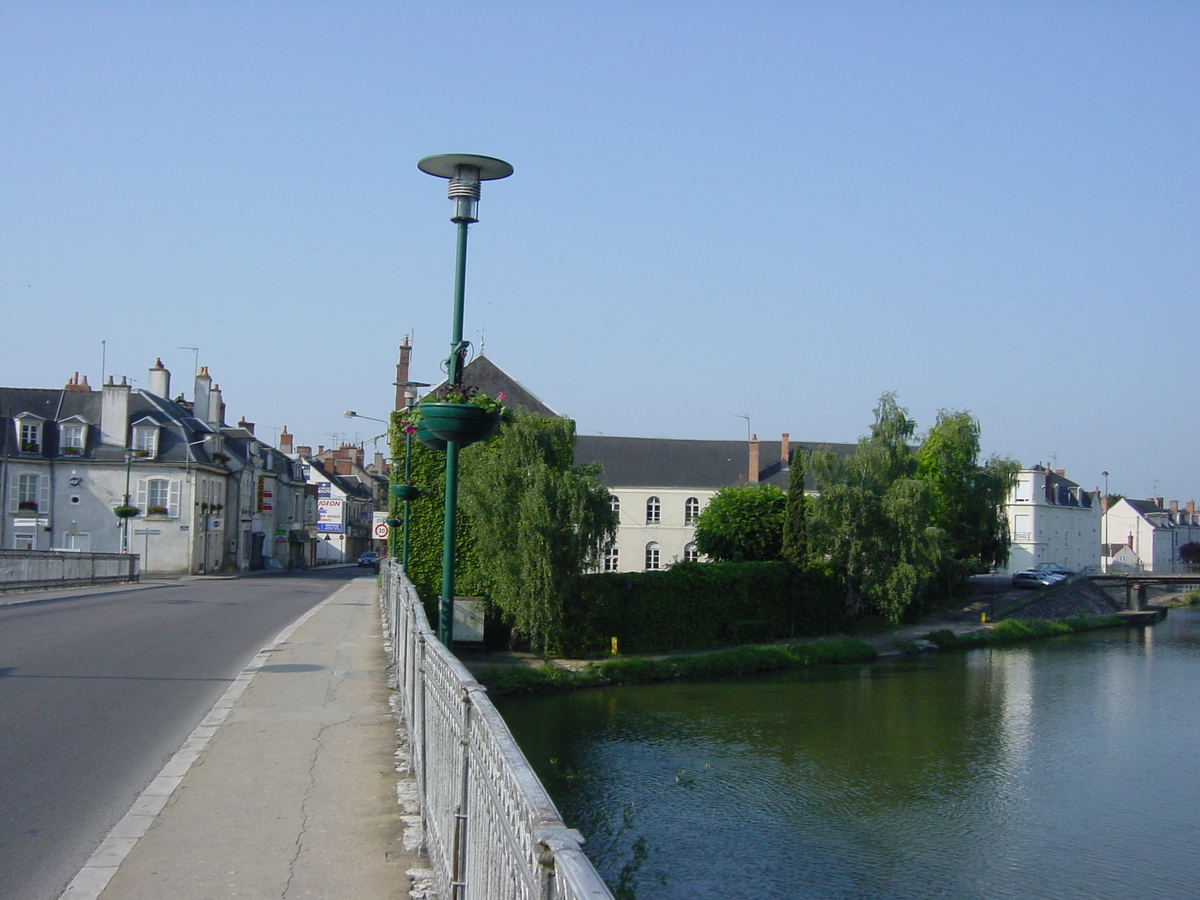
{"x":1136,"y":584}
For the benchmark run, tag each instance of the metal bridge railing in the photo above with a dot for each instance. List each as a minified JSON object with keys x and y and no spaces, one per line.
{"x":491,"y":830}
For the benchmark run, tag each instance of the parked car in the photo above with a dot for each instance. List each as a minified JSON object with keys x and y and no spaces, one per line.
{"x":370,"y":560}
{"x":1033,"y":578}
{"x":1055,"y":568}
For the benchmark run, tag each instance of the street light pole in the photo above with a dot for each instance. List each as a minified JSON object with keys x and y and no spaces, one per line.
{"x":1104,"y":506}
{"x":464,"y":171}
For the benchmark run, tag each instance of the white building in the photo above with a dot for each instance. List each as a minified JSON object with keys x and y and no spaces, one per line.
{"x":1145,"y":536}
{"x":69,"y":457}
{"x":1052,"y":519}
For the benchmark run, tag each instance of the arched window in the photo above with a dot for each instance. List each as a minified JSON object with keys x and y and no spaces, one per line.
{"x":690,"y":553}
{"x":615,"y":502}
{"x":691,"y":509}
{"x":653,"y":511}
{"x":652,"y":556}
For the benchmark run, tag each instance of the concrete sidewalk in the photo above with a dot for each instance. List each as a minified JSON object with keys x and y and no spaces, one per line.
{"x":288,"y":789}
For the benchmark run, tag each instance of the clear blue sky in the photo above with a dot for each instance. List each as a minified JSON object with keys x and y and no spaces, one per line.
{"x":765,"y":209}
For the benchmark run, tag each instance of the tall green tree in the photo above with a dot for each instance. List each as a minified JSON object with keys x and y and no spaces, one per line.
{"x":742,"y":523}
{"x":968,"y":496}
{"x":538,"y":522}
{"x":795,"y":527}
{"x":871,"y":519}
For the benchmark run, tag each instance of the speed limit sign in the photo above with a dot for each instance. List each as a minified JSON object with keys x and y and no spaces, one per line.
{"x":381,"y":531}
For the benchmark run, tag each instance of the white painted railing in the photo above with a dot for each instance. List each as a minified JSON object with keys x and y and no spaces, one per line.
{"x":491,"y":830}
{"x":26,"y":569}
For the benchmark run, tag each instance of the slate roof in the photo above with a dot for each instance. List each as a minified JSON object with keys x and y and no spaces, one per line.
{"x":632,"y":462}
{"x":491,"y":379}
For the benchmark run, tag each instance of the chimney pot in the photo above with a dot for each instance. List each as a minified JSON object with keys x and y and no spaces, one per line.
{"x":752,"y":475}
{"x":785,"y":449}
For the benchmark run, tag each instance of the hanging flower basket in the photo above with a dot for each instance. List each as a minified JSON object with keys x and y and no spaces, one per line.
{"x":394,"y":523}
{"x":463,"y":423}
{"x":426,"y":437}
{"x":405,"y":492}
{"x":126,"y":512}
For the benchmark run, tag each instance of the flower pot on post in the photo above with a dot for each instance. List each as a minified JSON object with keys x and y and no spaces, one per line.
{"x":427,"y":437}
{"x":405,"y":492}
{"x":463,"y":423}
{"x":126,"y":512}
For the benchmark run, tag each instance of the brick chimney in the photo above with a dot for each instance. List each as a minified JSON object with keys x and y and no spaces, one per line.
{"x":402,"y":372}
{"x":74,"y":384}
{"x":200,"y":398}
{"x":785,"y":450}
{"x":304,"y":450}
{"x":242,"y":423}
{"x":1175,"y":506}
{"x":755,"y":468}
{"x":1191,"y":507}
{"x":1103,"y":501}
{"x":285,"y":441}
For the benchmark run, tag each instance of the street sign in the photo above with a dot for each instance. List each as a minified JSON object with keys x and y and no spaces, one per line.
{"x":146,"y":531}
{"x":381,"y":531}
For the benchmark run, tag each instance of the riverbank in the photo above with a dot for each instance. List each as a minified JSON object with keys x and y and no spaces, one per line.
{"x":1074,"y":606}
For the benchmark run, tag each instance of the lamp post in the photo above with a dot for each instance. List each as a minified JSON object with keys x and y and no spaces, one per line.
{"x":464,"y":172}
{"x":1104,"y":507}
{"x":125,"y":503}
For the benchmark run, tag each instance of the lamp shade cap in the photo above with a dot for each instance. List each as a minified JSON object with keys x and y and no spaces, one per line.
{"x":443,"y":165}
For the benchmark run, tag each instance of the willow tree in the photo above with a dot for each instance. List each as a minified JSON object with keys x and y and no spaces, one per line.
{"x":872,"y":520}
{"x":538,"y":522}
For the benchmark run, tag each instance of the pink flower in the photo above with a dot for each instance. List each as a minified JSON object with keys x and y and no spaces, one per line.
{"x":500,"y":396}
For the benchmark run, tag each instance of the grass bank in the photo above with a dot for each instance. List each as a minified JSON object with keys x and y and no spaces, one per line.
{"x":747,"y":660}
{"x":1011,"y":631}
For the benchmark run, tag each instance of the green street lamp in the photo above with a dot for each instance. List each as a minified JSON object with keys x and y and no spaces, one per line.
{"x":464,"y":171}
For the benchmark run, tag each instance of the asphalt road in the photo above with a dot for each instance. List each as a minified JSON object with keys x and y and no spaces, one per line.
{"x":97,"y":692}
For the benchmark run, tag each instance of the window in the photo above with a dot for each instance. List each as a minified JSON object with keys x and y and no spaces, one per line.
{"x":145,"y":440}
{"x":691,"y":509}
{"x":652,"y":556}
{"x":31,"y":436}
{"x":72,"y":440}
{"x":690,"y":553}
{"x":28,"y":492}
{"x":653,"y":511}
{"x":615,"y":502}
{"x":612,"y":559}
{"x":158,"y":497}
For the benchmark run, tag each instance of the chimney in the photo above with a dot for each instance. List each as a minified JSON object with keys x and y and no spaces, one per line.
{"x":1175,"y":506}
{"x":752,"y":476}
{"x":201,"y":398}
{"x":242,"y":423}
{"x":285,"y":442}
{"x":160,"y":380}
{"x":402,"y":373}
{"x":1061,"y":473}
{"x":1191,"y":507}
{"x":1129,"y":542}
{"x":304,"y":450}
{"x":216,"y":407}
{"x":74,"y":384}
{"x":785,"y":450}
{"x":1103,"y":501}
{"x":114,"y":414}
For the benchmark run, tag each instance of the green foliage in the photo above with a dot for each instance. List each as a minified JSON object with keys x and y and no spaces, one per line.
{"x":742,"y":523}
{"x":1189,"y":553}
{"x":968,"y":497}
{"x":697,"y":605}
{"x":1008,"y":631}
{"x":1192,"y":598}
{"x":872,"y":519}
{"x":795,"y":525}
{"x":537,"y":521}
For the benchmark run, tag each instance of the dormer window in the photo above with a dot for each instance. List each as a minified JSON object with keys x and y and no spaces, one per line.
{"x":29,"y":429}
{"x":72,"y":437}
{"x":145,"y":440}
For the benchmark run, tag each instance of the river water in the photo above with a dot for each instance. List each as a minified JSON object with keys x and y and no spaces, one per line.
{"x":1065,"y":768}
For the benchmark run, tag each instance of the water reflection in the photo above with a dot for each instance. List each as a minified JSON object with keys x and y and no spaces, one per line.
{"x":1048,"y":770}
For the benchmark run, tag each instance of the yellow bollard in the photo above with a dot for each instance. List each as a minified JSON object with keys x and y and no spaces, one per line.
{"x":614,"y":646}
{"x":983,"y":618}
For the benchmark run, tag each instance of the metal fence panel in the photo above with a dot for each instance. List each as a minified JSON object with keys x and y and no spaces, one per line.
{"x":491,"y":830}
{"x":28,"y":569}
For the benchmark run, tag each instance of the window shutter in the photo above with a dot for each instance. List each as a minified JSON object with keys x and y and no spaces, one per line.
{"x":173,"y":499}
{"x":141,"y":502}
{"x":12,"y":496}
{"x":43,"y":493}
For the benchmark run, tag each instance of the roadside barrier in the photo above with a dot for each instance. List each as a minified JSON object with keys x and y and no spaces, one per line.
{"x":491,"y":830}
{"x":21,"y":570}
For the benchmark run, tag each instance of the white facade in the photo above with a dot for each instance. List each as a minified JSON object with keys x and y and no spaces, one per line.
{"x":1152,"y":533}
{"x":1052,"y":519}
{"x":656,"y":527}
